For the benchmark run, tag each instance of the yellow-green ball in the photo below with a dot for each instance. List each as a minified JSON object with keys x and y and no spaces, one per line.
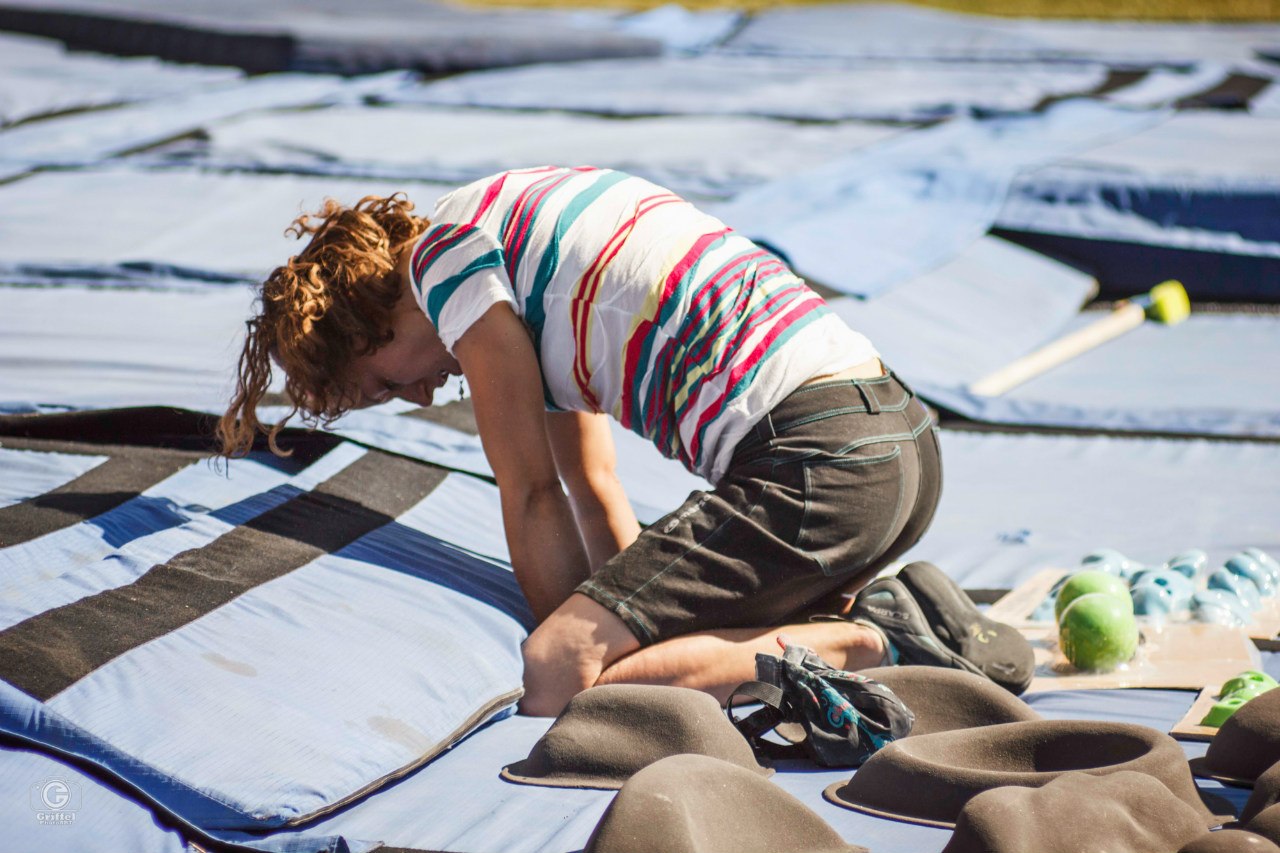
{"x":1098,"y":632}
{"x":1088,"y":582}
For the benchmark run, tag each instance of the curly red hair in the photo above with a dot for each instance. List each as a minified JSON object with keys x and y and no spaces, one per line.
{"x":325,"y":307}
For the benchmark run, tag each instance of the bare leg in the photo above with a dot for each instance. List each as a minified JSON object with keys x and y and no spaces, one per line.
{"x":582,"y":644}
{"x":566,"y":654}
{"x":718,"y":661}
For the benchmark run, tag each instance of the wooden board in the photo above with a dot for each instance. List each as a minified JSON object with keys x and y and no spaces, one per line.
{"x":1016,"y":607}
{"x":1184,"y":656}
{"x":1189,"y":728}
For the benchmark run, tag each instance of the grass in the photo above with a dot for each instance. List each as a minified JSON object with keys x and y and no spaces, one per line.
{"x":1142,"y":10}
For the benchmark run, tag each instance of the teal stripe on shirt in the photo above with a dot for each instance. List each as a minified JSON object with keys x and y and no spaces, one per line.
{"x":535,"y":311}
{"x":440,"y":293}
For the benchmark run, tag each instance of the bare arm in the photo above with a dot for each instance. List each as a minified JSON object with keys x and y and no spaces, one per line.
{"x":497,"y":357}
{"x":587,"y":462}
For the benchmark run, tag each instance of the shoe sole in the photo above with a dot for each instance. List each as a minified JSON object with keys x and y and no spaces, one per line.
{"x":918,"y":653}
{"x":998,"y":650}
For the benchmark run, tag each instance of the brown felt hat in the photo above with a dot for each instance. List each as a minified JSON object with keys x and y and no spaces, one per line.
{"x":1230,"y":841}
{"x":696,"y":804}
{"x":1123,"y":812}
{"x":928,"y":779}
{"x":1265,"y":823}
{"x":948,"y":699}
{"x":606,"y":734}
{"x":1266,"y":793}
{"x":1246,"y":745}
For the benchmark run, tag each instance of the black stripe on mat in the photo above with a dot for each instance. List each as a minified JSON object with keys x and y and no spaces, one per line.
{"x":459,"y":415}
{"x":1233,"y":93}
{"x":132,"y":36}
{"x":48,"y":653}
{"x":154,"y":426}
{"x":1115,"y":80}
{"x":128,"y":471}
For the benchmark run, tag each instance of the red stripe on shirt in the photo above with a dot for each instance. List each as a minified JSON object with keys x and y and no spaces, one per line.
{"x":580,"y":306}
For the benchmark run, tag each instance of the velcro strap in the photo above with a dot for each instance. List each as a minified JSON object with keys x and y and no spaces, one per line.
{"x":761,"y":720}
{"x":769,"y":694}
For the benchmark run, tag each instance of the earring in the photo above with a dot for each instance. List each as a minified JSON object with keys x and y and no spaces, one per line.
{"x":462,"y":389}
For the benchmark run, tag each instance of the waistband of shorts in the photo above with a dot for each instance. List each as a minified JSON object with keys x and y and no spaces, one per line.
{"x":874,"y":396}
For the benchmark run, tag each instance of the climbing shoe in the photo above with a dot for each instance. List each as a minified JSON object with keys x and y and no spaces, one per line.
{"x":998,"y":650}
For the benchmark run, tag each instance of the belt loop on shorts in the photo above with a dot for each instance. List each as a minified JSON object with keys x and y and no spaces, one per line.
{"x":764,"y":428}
{"x":868,"y":397}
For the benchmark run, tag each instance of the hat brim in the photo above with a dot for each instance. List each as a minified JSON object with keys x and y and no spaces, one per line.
{"x":831,"y":794}
{"x":516,"y":772}
{"x":1201,"y":769}
{"x":1218,"y":810}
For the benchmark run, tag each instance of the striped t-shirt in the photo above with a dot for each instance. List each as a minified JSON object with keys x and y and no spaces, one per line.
{"x":639,"y":304}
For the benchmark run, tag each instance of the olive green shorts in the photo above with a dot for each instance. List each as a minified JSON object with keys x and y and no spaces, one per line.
{"x":835,"y":483}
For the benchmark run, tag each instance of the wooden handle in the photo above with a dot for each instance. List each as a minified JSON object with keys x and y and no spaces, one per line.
{"x":1049,"y":356}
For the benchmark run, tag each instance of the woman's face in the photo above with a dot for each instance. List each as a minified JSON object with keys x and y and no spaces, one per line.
{"x":412,"y":366}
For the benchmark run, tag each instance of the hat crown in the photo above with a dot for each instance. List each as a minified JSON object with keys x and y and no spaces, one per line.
{"x":606,"y":734}
{"x":1248,"y":743}
{"x":928,"y":779}
{"x":947,"y":699}
{"x":697,"y":804}
{"x":1123,"y":812}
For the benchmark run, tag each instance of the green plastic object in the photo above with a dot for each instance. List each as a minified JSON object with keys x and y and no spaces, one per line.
{"x":1235,"y":694}
{"x":1250,"y":679}
{"x":1222,"y":711}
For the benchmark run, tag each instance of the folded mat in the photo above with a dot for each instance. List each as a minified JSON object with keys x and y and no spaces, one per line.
{"x":899,"y":30}
{"x":254,"y":646}
{"x":1070,"y":495}
{"x":823,"y":90}
{"x":1053,"y":484}
{"x":893,"y":206}
{"x":877,"y":218}
{"x":53,"y":807}
{"x":180,"y":229}
{"x":1196,"y":198}
{"x":941,"y":331}
{"x":996,"y":302}
{"x":328,"y":35}
{"x":39,"y":77}
{"x":86,"y":138}
{"x":1213,"y":374}
{"x":1014,"y":504}
{"x":688,"y":154}
{"x":451,"y":803}
{"x":77,"y":348}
